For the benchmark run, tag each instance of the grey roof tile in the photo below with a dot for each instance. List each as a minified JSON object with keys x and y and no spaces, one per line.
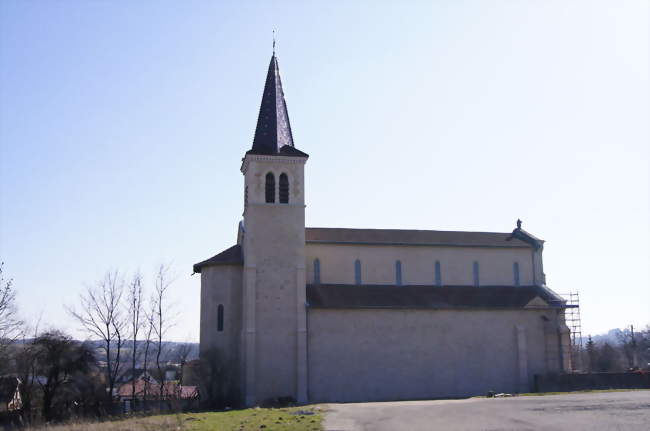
{"x":273,"y":129}
{"x":230,"y":256}
{"x":337,"y":296}
{"x":412,"y":237}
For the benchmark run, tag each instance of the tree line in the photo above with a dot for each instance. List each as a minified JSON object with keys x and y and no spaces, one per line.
{"x":629,"y":350}
{"x":58,"y":376}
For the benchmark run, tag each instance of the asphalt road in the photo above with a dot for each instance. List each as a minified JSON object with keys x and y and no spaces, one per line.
{"x":629,"y":411}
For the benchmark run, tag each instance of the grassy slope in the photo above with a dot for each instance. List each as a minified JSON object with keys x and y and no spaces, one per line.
{"x":254,"y":419}
{"x":258,"y":419}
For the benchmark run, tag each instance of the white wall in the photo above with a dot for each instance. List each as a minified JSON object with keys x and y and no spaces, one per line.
{"x":223,"y":285}
{"x":418,"y":264}
{"x":378,"y":355}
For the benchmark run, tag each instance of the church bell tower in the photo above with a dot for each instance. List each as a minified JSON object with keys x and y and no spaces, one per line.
{"x":274,"y":337}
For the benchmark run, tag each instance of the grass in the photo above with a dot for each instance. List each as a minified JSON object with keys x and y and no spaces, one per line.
{"x":257,"y":419}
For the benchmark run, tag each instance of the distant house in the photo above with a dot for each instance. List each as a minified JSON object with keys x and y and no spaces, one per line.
{"x":146,"y":387}
{"x":192,"y":372}
{"x":10,"y":399}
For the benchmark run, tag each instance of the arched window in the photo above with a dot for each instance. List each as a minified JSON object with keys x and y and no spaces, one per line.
{"x":270,"y":188}
{"x":284,"y":189}
{"x":476,"y":274}
{"x":357,"y":271}
{"x":398,"y":272}
{"x":220,"y":318}
{"x":316,"y":271}
{"x":515,"y":272}
{"x":438,"y":274}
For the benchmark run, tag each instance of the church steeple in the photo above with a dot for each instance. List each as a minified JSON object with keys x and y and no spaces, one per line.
{"x":273,"y":128}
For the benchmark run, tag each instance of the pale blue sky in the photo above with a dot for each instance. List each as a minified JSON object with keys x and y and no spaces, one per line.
{"x":122,"y":126}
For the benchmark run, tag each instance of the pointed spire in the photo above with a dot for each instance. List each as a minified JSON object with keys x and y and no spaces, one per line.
{"x":273,"y":128}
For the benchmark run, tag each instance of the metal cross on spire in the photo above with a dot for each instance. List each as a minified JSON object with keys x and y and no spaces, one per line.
{"x":273,"y":42}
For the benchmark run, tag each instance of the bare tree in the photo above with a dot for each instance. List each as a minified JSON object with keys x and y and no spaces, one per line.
{"x":135,"y":324}
{"x":162,"y":321}
{"x":628,"y":343}
{"x":10,"y":324}
{"x":149,"y":330}
{"x":102,"y":316}
{"x":26,"y":361}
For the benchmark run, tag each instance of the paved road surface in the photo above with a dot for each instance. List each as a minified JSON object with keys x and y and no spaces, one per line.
{"x":629,"y":411}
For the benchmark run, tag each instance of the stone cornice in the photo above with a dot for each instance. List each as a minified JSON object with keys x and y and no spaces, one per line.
{"x":270,"y":159}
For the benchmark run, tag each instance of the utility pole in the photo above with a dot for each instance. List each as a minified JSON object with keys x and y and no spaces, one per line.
{"x":633,"y":345}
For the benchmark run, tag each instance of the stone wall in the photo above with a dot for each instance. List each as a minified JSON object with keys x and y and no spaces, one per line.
{"x":222,"y":285}
{"x":380,"y":355}
{"x":274,"y":283}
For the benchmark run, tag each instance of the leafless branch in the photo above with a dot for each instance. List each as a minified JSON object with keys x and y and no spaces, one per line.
{"x":10,"y":324}
{"x":101,"y":315}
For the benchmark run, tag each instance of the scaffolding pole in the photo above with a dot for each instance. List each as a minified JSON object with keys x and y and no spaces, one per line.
{"x":572,"y":319}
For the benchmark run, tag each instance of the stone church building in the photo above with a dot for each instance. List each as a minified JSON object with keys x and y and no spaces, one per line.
{"x":328,"y":314}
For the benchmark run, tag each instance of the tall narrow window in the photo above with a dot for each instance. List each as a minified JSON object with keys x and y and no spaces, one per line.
{"x":515,"y":272}
{"x":284,"y":189}
{"x":438,"y":274}
{"x":316,"y":271}
{"x":398,"y":272}
{"x":357,"y":271}
{"x":270,"y":188}
{"x":220,"y":318}
{"x":476,"y":274}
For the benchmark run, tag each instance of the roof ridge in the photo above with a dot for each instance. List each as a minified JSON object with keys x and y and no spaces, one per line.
{"x":407,"y":230}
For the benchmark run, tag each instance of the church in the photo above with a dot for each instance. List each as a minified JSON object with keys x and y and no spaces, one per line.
{"x":314,"y":314}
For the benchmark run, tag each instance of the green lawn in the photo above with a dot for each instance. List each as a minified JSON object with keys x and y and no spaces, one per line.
{"x":306,"y":418}
{"x":286,"y":419}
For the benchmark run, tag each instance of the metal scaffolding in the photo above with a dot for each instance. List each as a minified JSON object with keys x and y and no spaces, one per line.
{"x":572,"y":318}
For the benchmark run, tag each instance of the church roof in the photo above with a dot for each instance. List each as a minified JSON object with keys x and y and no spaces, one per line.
{"x":230,"y":256}
{"x":273,"y":132}
{"x":413,"y":237}
{"x":339,"y":296}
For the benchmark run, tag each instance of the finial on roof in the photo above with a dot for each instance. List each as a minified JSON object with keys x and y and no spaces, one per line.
{"x":273,"y":42}
{"x":518,"y":223}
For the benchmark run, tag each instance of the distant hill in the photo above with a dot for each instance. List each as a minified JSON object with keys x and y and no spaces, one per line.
{"x":613,"y":336}
{"x":171,"y":350}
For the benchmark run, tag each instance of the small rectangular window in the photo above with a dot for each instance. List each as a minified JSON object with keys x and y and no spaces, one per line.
{"x":220,"y":318}
{"x":476,"y":274}
{"x":398,"y":273}
{"x":357,"y":271}
{"x":515,"y":272}
{"x":438,"y":274}
{"x":316,"y":271}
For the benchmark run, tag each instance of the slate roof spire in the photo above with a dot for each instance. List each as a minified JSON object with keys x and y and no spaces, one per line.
{"x":273,"y":128}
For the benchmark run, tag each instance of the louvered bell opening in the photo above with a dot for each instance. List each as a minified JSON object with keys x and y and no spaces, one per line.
{"x":270,"y":188}
{"x":284,"y":189}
